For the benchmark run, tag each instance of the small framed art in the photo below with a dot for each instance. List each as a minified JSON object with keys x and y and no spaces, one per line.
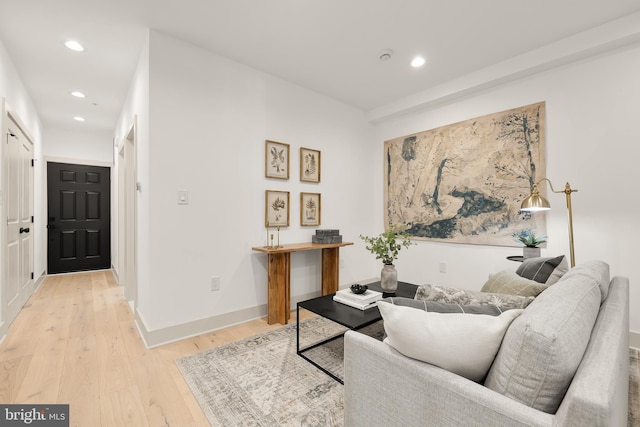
{"x":276,"y":208}
{"x":276,"y":160}
{"x":310,"y":208}
{"x":309,"y":165}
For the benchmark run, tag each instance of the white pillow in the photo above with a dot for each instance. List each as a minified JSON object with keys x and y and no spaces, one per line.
{"x":462,"y":343}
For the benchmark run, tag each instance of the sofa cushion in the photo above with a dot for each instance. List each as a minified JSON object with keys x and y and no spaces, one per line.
{"x":465,"y":344}
{"x":441,"y":307}
{"x":543,"y":347}
{"x":465,"y":297}
{"x":598,"y":270}
{"x":509,"y":282}
{"x":544,"y":270}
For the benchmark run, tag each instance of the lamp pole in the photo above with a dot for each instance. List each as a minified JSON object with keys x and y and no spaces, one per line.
{"x":567,"y":191}
{"x":535,"y":203}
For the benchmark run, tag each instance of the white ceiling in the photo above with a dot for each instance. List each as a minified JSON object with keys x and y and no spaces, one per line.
{"x":329,"y":46}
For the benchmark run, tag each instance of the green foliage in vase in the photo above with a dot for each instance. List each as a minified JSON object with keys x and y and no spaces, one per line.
{"x":528,"y":238}
{"x":386,"y":246}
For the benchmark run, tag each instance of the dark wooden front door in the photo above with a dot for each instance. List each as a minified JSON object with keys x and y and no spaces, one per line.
{"x":79,"y":229}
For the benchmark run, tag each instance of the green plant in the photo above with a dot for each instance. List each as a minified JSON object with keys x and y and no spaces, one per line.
{"x":528,"y":238}
{"x":385,"y":246}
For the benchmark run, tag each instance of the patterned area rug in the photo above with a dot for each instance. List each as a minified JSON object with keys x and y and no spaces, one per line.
{"x":634,"y":392}
{"x":261,"y":381}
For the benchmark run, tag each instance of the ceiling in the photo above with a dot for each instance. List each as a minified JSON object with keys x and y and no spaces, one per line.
{"x":329,"y":46}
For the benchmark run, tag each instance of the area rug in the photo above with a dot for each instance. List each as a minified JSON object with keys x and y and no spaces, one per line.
{"x":261,"y":381}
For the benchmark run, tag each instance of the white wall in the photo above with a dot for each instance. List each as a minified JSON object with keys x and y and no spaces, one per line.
{"x":202,"y":122}
{"x":592,"y":142}
{"x":208,"y":120}
{"x":78,"y":144}
{"x":136,"y":110}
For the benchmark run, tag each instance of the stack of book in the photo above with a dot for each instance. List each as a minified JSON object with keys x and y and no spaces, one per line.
{"x":361,"y":301}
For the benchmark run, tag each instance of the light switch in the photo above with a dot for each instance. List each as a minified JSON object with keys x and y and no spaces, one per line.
{"x":183,"y":197}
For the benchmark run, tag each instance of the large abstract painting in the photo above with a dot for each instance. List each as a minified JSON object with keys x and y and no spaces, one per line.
{"x":464,"y":182}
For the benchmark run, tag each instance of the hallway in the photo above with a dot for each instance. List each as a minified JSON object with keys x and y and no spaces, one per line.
{"x":75,"y":342}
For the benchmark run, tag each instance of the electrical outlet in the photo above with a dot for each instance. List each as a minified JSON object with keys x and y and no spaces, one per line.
{"x":443,"y":267}
{"x":215,"y":283}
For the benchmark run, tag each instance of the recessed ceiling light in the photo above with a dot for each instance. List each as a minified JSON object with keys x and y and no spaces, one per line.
{"x":78,"y":119}
{"x":74,"y":45}
{"x":418,"y":61}
{"x":78,"y":94}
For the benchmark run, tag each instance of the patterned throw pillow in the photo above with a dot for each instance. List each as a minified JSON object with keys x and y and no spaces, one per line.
{"x":441,"y":307}
{"x":464,"y":297}
{"x":544,"y":270}
{"x":509,"y":282}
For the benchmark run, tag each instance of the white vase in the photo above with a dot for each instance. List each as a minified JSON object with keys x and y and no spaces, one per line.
{"x":530,"y":252}
{"x":389,"y":278}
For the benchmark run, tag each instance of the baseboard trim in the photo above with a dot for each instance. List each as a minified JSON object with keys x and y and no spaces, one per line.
{"x":3,"y":331}
{"x":115,"y":274}
{"x":39,"y":280}
{"x":163,"y":336}
{"x":634,"y":339}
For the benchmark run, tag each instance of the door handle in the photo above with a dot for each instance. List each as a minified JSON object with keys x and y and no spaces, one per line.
{"x":24,"y":230}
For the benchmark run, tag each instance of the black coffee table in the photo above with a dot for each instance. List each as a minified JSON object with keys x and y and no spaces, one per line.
{"x":344,"y":315}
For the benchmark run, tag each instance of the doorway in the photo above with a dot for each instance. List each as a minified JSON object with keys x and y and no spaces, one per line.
{"x":79,"y":224}
{"x":127,"y":215}
{"x":18,"y":216}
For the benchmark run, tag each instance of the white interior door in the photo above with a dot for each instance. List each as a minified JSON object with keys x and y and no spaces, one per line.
{"x":127,"y":265}
{"x":18,"y":285}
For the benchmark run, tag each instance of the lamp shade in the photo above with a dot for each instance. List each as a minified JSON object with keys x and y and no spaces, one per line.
{"x":535,"y":202}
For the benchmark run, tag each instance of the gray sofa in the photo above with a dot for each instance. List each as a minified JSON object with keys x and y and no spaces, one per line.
{"x":385,"y":388}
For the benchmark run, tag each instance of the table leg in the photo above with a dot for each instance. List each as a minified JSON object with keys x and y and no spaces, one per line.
{"x":279,"y":298}
{"x":330,"y":270}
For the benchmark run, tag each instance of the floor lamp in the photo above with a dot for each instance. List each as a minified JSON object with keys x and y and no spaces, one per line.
{"x":535,"y":203}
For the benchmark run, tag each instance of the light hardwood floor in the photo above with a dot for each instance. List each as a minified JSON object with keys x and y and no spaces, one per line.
{"x":75,"y":342}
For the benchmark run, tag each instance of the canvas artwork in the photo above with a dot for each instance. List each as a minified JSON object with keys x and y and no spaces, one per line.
{"x":464,"y":182}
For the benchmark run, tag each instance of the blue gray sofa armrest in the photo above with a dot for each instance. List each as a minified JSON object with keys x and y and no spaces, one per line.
{"x":599,"y":392}
{"x":385,"y":388}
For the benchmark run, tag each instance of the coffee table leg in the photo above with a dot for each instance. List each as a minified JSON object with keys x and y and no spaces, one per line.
{"x":297,"y":328}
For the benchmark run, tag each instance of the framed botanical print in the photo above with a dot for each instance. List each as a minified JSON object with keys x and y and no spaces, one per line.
{"x":276,"y":160}
{"x":309,"y":165}
{"x":276,"y":208}
{"x":310,"y":209}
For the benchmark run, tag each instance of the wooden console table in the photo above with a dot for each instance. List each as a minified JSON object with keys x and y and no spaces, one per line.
{"x":279,"y":275}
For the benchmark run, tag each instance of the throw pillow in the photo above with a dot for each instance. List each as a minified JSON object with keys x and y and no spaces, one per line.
{"x":544,"y":270}
{"x":509,"y":282}
{"x":464,"y":297}
{"x":464,"y":344}
{"x":441,"y":307}
{"x":543,"y":348}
